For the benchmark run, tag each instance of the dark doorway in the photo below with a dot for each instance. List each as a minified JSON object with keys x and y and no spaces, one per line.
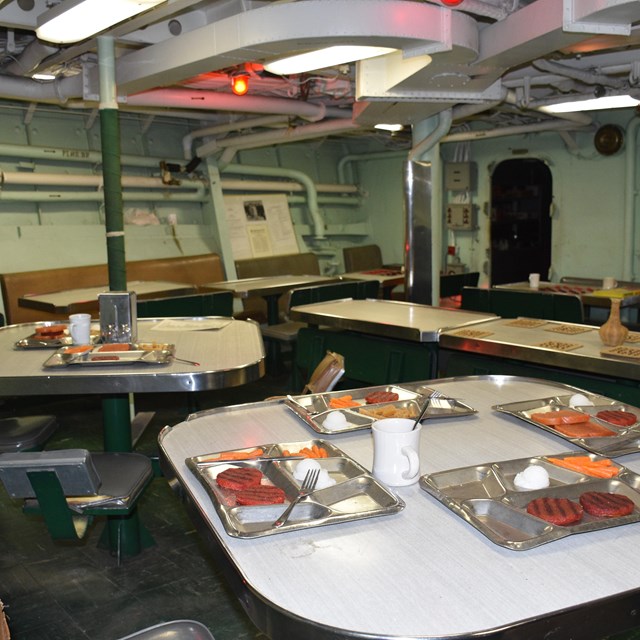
{"x":521,"y":194}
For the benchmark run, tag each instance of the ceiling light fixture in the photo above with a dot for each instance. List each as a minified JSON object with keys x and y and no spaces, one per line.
{"x":592,"y":104}
{"x":75,"y":20}
{"x":389,"y":127}
{"x":240,"y":84}
{"x":323,"y":58}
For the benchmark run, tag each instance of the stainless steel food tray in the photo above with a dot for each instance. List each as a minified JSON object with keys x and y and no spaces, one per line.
{"x":626,"y":440}
{"x":486,"y":497}
{"x":314,"y":408}
{"x":93,"y":356}
{"x":33,"y":341}
{"x":356,"y":494}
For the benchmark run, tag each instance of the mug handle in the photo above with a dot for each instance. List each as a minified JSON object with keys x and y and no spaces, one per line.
{"x":73,"y":333}
{"x":414,"y":462}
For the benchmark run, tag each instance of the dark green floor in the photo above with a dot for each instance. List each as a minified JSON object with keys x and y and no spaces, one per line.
{"x":76,"y":592}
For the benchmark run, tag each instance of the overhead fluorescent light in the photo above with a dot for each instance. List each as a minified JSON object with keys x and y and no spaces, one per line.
{"x":607,"y":102}
{"x":323,"y":58}
{"x":43,"y":76}
{"x":75,"y":20}
{"x":389,"y":127}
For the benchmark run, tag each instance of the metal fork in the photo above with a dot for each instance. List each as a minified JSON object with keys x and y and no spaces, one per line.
{"x":307,"y":487}
{"x":434,"y":394}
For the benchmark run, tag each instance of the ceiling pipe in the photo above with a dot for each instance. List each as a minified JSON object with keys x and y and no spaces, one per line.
{"x":238,"y":125}
{"x":361,"y":157}
{"x":586,"y":77}
{"x":296,"y":134}
{"x":58,"y":91}
{"x":299,"y":176}
{"x":538,"y":127}
{"x":444,"y":124}
{"x":210,"y":100}
{"x":30,"y":58}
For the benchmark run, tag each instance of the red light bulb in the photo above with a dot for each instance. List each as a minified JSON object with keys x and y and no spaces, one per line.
{"x":451,"y":3}
{"x":240,"y":85}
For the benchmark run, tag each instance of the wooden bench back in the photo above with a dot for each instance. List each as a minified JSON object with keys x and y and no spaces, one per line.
{"x":198,"y":269}
{"x":294,"y":264}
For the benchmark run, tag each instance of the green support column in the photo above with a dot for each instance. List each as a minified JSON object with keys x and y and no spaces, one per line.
{"x":111,"y":166}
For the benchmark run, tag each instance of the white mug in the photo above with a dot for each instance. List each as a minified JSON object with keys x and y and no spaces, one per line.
{"x":80,"y":328}
{"x":609,"y":282}
{"x":396,"y":451}
{"x":534,"y":280}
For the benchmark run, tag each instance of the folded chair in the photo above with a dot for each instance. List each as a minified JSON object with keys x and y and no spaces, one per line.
{"x":71,"y":487}
{"x":174,"y":630}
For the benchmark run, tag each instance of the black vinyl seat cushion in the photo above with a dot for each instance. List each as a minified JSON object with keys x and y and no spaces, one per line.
{"x":26,"y":432}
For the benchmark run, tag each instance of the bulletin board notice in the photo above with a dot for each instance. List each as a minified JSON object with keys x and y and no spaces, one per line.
{"x":260,"y":226}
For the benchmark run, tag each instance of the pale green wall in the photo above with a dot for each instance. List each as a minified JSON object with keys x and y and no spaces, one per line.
{"x":589,"y":192}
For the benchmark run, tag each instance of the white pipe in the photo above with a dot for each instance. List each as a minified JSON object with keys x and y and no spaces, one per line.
{"x":509,"y":131}
{"x":32,"y":55}
{"x":312,"y":194}
{"x":57,"y":91}
{"x":187,"y":141}
{"x":210,"y":100}
{"x":98,"y":196}
{"x":64,"y":179}
{"x":444,"y":124}
{"x":285,"y":187}
{"x":268,"y":138}
{"x":361,"y":157}
{"x":630,"y":199}
{"x":74,"y":155}
{"x":586,"y":77}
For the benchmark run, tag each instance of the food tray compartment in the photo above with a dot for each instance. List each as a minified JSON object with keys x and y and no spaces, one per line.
{"x":94,"y":356}
{"x":37,"y":341}
{"x":314,"y":409}
{"x":320,"y":402}
{"x":485,"y":496}
{"x":356,"y":494}
{"x":624,"y":440}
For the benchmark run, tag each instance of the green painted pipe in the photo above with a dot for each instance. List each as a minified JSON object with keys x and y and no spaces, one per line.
{"x":111,"y":167}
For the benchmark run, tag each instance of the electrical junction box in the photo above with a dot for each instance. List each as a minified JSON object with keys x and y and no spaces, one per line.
{"x":459,"y":176}
{"x":461,"y":217}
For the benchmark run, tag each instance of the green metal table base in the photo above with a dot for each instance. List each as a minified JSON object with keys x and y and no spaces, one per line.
{"x":125,"y":535}
{"x":370,"y":360}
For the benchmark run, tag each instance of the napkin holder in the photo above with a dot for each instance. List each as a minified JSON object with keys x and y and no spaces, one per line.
{"x":118,"y":316}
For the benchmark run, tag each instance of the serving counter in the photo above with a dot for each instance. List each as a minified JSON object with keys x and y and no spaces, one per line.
{"x":553,"y":350}
{"x":422,"y":572}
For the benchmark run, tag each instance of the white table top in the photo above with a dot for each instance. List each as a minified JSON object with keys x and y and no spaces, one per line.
{"x":268,"y":285}
{"x":228,"y":356}
{"x":389,"y":318}
{"x":424,"y":572}
{"x":67,"y":301}
{"x":504,"y":340}
{"x":386,"y":279}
